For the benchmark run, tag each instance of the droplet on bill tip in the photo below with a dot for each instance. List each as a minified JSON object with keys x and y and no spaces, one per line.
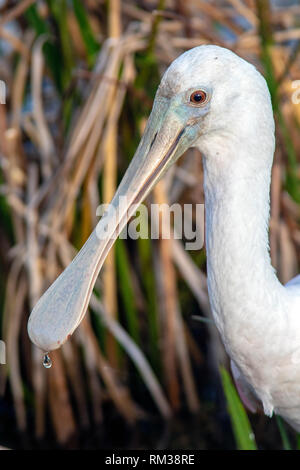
{"x":47,"y":362}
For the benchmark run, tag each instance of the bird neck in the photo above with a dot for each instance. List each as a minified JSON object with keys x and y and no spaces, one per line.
{"x":237,"y":207}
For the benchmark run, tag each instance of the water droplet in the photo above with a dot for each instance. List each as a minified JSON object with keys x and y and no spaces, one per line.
{"x":47,"y":361}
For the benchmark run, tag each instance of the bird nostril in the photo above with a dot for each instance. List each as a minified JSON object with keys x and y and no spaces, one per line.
{"x":153,"y":140}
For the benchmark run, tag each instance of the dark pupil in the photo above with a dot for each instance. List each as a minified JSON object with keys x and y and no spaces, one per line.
{"x":197,"y":97}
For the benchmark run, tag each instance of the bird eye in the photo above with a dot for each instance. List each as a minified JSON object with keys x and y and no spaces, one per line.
{"x":198,"y":97}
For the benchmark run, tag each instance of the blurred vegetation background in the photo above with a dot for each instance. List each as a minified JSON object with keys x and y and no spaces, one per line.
{"x":143,"y":369}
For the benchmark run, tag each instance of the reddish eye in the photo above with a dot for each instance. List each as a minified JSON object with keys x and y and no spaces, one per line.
{"x":198,"y":97}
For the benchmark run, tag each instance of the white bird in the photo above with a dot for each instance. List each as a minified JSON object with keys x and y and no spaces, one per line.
{"x":211,"y":99}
